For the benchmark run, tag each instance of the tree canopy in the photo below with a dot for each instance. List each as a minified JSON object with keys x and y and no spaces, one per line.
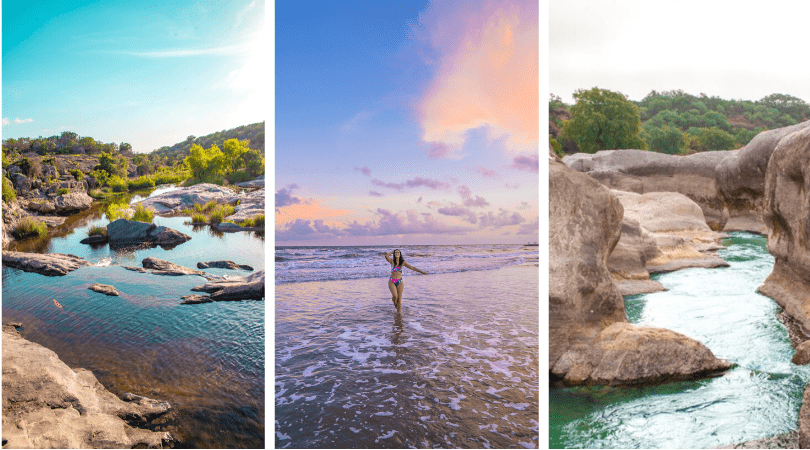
{"x":603,"y":120}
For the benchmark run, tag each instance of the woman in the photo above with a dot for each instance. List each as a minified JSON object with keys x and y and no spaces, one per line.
{"x":395,"y":282}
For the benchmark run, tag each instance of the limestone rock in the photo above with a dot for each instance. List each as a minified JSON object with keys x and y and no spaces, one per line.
{"x":186,"y":197}
{"x":253,"y":184}
{"x":72,"y":202}
{"x":741,"y":175}
{"x":163,"y":267}
{"x":250,"y":287}
{"x":50,"y":221}
{"x":22,"y":183}
{"x":643,"y":172}
{"x":590,"y":341}
{"x":787,"y":215}
{"x":46,"y":404}
{"x":95,"y":239}
{"x":229,"y":227}
{"x":802,"y":355}
{"x":628,"y":261}
{"x":804,"y":420}
{"x":132,"y":232}
{"x":195,"y":299}
{"x":223,"y":265}
{"x":104,"y":289}
{"x":251,"y":204}
{"x":50,"y":264}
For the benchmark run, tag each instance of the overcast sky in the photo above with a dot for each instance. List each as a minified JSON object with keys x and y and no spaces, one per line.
{"x":720,"y":48}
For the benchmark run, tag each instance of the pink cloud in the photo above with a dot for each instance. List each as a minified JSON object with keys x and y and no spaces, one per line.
{"x":416,"y":182}
{"x":530,"y":163}
{"x":284,"y":197}
{"x":456,"y":210}
{"x":484,"y":171}
{"x":365,"y":170}
{"x":375,"y":194}
{"x":502,"y":219}
{"x":468,"y":198}
{"x":487,"y":74}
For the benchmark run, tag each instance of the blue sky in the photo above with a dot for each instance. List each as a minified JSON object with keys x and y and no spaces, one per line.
{"x":406,"y":122}
{"x":146,"y":73}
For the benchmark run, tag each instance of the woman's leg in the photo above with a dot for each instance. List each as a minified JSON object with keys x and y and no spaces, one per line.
{"x":399,"y":295}
{"x":393,"y":290}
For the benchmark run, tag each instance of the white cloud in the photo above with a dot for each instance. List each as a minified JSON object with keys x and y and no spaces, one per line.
{"x":5,"y":121}
{"x":18,"y":121}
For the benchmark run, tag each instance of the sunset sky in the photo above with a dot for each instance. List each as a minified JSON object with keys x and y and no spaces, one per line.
{"x":406,"y":122}
{"x":146,"y":73}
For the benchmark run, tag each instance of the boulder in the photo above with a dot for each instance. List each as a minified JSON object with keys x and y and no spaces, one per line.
{"x":105,"y":289}
{"x":251,"y":204}
{"x":676,"y":224}
{"x":46,"y":404}
{"x":50,"y":264}
{"x":163,"y":267}
{"x":72,"y":202}
{"x":590,"y":339}
{"x":132,"y":232}
{"x":250,"y":287}
{"x":50,"y":221}
{"x":95,"y":239}
{"x":22,"y":183}
{"x":643,"y":172}
{"x":223,"y":265}
{"x":787,"y":215}
{"x":802,"y":355}
{"x":628,"y":260}
{"x":253,"y":184}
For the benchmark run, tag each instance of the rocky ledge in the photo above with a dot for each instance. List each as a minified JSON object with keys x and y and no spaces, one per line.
{"x":50,"y":264}
{"x":247,"y":204}
{"x":158,"y":266}
{"x":250,"y":287}
{"x":46,"y":404}
{"x":590,"y":339}
{"x":105,"y":289}
{"x":123,"y":232}
{"x":223,"y":265}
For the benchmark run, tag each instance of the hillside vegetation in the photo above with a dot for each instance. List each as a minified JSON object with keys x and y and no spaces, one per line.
{"x":671,"y":122}
{"x":254,"y":133}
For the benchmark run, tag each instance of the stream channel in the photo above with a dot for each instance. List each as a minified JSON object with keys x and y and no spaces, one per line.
{"x":207,"y":360}
{"x":758,"y":398}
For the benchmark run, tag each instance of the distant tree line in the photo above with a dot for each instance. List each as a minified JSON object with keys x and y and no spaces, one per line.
{"x":671,"y":122}
{"x":253,"y":133}
{"x":67,"y":143}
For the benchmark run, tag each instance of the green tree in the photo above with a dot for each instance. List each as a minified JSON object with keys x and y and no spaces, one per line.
{"x":254,"y":162}
{"x":234,"y":149}
{"x":715,"y":139}
{"x":603,"y":120}
{"x":205,"y":163}
{"x":667,"y":139}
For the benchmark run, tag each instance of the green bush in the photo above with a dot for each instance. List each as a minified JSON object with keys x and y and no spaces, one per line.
{"x":216,"y":216}
{"x":198,"y":218}
{"x":142,"y":183}
{"x":165,"y":175}
{"x":28,"y":226}
{"x":63,"y":191}
{"x":209,"y":206}
{"x":77,"y":174}
{"x":240,"y":177}
{"x":9,"y":194}
{"x":197,"y":207}
{"x":97,"y":231}
{"x":117,"y":211}
{"x":252,"y":222}
{"x":142,"y":214}
{"x":117,"y":183}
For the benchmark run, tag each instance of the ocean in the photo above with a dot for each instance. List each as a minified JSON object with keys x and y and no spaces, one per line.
{"x":457,"y":368}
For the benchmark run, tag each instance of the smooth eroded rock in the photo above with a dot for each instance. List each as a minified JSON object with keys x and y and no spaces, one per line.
{"x":50,"y":264}
{"x":72,"y":203}
{"x":590,"y":340}
{"x":223,"y":265}
{"x":132,"y":232}
{"x":104,"y":289}
{"x":250,"y":287}
{"x":163,"y":267}
{"x":46,"y":404}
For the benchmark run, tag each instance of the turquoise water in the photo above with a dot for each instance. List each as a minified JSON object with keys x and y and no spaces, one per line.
{"x":759,"y":398}
{"x":207,"y":360}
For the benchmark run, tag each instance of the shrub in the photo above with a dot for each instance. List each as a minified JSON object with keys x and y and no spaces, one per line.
{"x":197,"y":207}
{"x":252,"y":222}
{"x":142,"y":214}
{"x":31,"y":168}
{"x":142,"y":183}
{"x":117,"y":211}
{"x":28,"y":226}
{"x":77,"y":174}
{"x":209,"y":206}
{"x":97,"y":231}
{"x":198,"y":218}
{"x":117,"y":183}
{"x":216,"y":216}
{"x":63,"y":191}
{"x":9,"y":194}
{"x":239,"y":177}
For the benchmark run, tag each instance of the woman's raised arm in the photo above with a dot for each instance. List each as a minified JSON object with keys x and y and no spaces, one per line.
{"x":387,"y":258}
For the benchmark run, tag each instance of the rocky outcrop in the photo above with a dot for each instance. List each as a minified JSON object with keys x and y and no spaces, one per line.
{"x":122,"y":232}
{"x":50,"y":264}
{"x":163,"y":267}
{"x":185,"y":198}
{"x":253,"y":184}
{"x":251,"y":204}
{"x":250,"y":287}
{"x":223,"y":265}
{"x":787,"y":216}
{"x":804,"y":421}
{"x":628,"y":260}
{"x":72,"y":202}
{"x":590,"y":340}
{"x":46,"y":404}
{"x":643,"y":172}
{"x":105,"y":289}
{"x":677,"y":226}
{"x":741,"y":175}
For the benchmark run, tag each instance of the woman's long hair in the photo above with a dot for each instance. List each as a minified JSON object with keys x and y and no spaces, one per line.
{"x":394,"y":258}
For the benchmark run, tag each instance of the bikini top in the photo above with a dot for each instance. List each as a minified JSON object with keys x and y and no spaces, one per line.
{"x":396,"y":269}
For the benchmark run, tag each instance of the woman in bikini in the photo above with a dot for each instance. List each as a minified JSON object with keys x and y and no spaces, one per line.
{"x":395,"y":282}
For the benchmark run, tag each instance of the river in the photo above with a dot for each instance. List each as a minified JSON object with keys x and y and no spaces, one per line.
{"x":760,"y":397}
{"x":207,"y":360}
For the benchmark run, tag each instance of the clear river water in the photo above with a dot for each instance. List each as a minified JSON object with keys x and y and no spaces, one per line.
{"x":760,"y":397}
{"x":207,"y":360}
